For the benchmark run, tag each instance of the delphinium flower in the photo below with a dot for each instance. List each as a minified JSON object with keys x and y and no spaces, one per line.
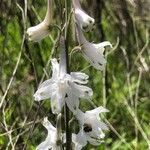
{"x":93,"y":52}
{"x":91,"y":127}
{"x":82,"y":18}
{"x":51,"y":141}
{"x":40,"y":31}
{"x":63,"y":88}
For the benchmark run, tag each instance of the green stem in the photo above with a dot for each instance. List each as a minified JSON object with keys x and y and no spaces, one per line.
{"x":67,"y":31}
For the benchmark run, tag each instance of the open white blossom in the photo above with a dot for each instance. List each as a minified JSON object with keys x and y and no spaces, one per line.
{"x":93,"y":52}
{"x":51,"y":139}
{"x":64,"y":88}
{"x":82,"y":18}
{"x":91,"y":127}
{"x":40,"y":31}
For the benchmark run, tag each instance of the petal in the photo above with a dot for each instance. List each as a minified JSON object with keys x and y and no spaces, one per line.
{"x":101,"y":45}
{"x":72,"y":102}
{"x":95,"y":57}
{"x":94,"y":114}
{"x":46,"y":83}
{"x":81,"y":138}
{"x":97,"y":111}
{"x":93,"y":141}
{"x":81,"y":91}
{"x":48,"y":125}
{"x":44,"y":92}
{"x":46,"y":145}
{"x":38,"y":32}
{"x":80,"y":116}
{"x":96,"y":133}
{"x":55,"y":68}
{"x":77,"y":146}
{"x":79,"y":77}
{"x":56,"y":104}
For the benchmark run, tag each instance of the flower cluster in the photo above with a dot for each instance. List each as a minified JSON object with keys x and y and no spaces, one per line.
{"x":64,"y":88}
{"x":68,"y":88}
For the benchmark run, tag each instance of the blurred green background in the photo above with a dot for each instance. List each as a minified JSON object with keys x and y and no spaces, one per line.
{"x":123,"y":87}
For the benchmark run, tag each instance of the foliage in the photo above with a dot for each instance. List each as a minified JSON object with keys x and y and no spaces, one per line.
{"x":124,"y":88}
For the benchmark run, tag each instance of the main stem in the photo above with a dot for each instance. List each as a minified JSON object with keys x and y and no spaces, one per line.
{"x":67,"y":31}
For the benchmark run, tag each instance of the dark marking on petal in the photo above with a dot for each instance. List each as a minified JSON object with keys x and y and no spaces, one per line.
{"x":90,"y":21}
{"x":87,"y":127}
{"x":84,"y":27}
{"x":99,"y":63}
{"x":66,"y":95}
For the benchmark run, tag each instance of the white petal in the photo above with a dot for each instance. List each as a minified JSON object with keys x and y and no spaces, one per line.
{"x":93,"y":141}
{"x":101,"y":46}
{"x":44,"y":92}
{"x":96,"y":133}
{"x":81,"y":138}
{"x":93,"y":55}
{"x":49,"y":141}
{"x":38,"y":32}
{"x":56,"y":104}
{"x":81,"y":91}
{"x":46,"y":145}
{"x":97,"y":111}
{"x":55,"y":68}
{"x":103,"y":126}
{"x":46,"y":83}
{"x":48,"y":125}
{"x":78,"y":146}
{"x":72,"y":102}
{"x":79,"y":77}
{"x":80,"y":116}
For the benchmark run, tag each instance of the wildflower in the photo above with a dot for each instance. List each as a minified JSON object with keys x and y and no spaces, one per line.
{"x":91,"y":127}
{"x":51,"y":140}
{"x":93,"y":52}
{"x":63,"y":87}
{"x":40,"y":31}
{"x":83,"y":19}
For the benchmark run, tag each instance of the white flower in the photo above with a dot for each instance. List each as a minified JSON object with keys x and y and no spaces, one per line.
{"x":51,"y":139}
{"x":91,"y":127}
{"x":38,"y":32}
{"x":93,"y":52}
{"x":83,"y":20}
{"x":63,"y":87}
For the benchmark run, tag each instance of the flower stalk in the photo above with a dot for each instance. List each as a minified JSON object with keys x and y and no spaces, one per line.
{"x":65,"y":89}
{"x":67,"y":113}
